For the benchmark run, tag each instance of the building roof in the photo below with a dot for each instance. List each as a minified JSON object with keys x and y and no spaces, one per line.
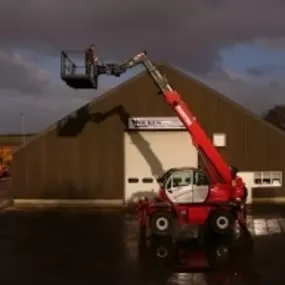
{"x":228,"y":100}
{"x":141,"y":75}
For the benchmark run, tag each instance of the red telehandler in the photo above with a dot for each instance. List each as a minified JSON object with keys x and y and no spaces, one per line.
{"x":174,"y":207}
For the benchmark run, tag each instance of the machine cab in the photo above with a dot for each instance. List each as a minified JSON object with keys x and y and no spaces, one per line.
{"x":185,"y":185}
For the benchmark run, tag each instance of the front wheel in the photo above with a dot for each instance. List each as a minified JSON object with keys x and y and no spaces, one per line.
{"x":222,"y":222}
{"x":161,"y":224}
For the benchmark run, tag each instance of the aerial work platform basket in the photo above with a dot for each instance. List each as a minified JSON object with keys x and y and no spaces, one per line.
{"x":74,"y":75}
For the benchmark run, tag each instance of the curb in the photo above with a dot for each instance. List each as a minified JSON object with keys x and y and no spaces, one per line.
{"x":27,"y":204}
{"x":273,"y":200}
{"x":6,"y":204}
{"x":69,"y":202}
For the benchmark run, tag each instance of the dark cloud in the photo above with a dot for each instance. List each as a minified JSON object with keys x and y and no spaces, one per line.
{"x":266,"y":69}
{"x":255,"y":71}
{"x":257,"y":95}
{"x":27,"y":88}
{"x":17,"y":74}
{"x":188,"y":33}
{"x":39,"y":111}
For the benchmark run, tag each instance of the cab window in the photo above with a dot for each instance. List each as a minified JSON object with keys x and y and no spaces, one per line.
{"x":179,"y":179}
{"x":201,"y":179}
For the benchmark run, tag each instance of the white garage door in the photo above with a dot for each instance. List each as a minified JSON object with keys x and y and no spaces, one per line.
{"x":151,"y":153}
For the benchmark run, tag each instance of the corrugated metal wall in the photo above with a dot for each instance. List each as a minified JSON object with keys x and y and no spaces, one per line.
{"x":252,"y":144}
{"x":85,"y":158}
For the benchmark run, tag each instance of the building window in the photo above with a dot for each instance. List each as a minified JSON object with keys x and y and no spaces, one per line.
{"x":268,"y":178}
{"x":133,"y":180}
{"x":147,"y":180}
{"x":219,"y":140}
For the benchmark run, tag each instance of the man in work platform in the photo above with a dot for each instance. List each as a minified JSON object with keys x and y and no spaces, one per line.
{"x":91,"y":60}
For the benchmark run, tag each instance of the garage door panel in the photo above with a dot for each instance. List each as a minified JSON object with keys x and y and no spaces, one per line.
{"x":149,"y":154}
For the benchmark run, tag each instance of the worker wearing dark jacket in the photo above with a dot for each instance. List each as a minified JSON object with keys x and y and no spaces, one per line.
{"x":91,"y":60}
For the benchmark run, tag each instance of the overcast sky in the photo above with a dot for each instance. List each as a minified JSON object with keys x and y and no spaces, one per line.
{"x":235,"y":46}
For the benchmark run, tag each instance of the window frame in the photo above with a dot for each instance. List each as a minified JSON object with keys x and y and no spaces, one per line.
{"x":170,"y":179}
{"x":202,"y":173}
{"x":271,"y":175}
{"x":133,"y":180}
{"x":148,"y":180}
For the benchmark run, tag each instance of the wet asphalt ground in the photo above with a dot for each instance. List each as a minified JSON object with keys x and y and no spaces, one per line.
{"x":102,"y":247}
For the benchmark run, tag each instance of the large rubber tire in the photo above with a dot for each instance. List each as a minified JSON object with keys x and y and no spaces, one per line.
{"x":222,"y":222}
{"x":161,"y":224}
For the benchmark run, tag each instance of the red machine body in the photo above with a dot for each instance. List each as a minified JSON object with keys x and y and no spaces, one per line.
{"x":196,"y":213}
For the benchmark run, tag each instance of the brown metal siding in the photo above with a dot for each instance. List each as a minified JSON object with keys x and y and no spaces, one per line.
{"x":251,"y":143}
{"x":270,"y":192}
{"x":88,"y":163}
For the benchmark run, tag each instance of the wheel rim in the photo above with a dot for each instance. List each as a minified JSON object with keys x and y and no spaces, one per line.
{"x":161,"y":252}
{"x":222,"y":222}
{"x":162,"y":224}
{"x":222,"y":253}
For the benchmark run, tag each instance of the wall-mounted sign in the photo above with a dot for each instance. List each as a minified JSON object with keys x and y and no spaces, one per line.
{"x":155,"y":123}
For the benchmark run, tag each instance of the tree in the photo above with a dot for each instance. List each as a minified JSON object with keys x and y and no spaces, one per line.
{"x":276,"y":116}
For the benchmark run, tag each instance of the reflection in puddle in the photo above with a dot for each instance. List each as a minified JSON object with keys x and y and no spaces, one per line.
{"x":222,"y":263}
{"x":160,"y":261}
{"x":273,"y":226}
{"x":131,"y":230}
{"x":187,"y":278}
{"x":259,"y":227}
{"x":263,"y":227}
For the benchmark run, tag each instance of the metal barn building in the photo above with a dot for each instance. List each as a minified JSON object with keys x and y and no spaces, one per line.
{"x":112,"y":148}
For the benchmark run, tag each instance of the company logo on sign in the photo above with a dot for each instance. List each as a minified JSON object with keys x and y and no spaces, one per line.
{"x":155,"y":123}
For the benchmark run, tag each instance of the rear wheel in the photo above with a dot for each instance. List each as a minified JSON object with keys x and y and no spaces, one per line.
{"x":222,"y":222}
{"x":163,"y":248}
{"x":161,"y":224}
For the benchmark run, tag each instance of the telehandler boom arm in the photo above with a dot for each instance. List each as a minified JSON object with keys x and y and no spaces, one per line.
{"x":218,"y":170}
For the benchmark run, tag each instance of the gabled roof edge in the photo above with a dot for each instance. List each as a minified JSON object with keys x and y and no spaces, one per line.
{"x":225,"y":98}
{"x":140,"y":75}
{"x":92,"y":102}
